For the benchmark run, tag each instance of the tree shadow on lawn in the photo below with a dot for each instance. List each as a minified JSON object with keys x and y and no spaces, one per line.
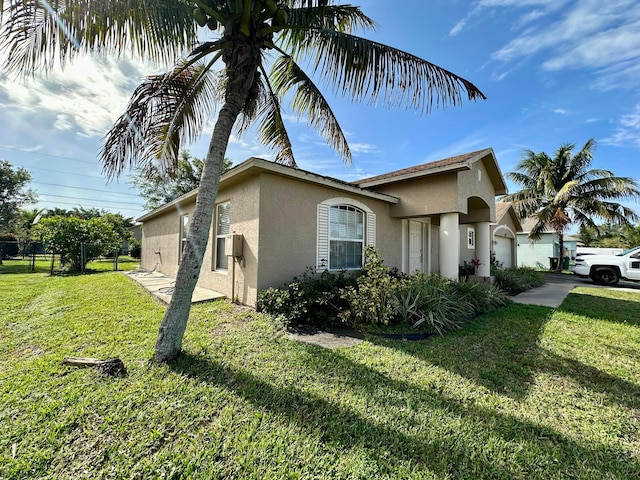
{"x":499,"y":350}
{"x":397,"y":442}
{"x":598,"y":307}
{"x":502,"y":352}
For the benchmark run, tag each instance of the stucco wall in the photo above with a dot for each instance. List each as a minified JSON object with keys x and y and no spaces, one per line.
{"x":423,"y":196}
{"x":530,"y":253}
{"x":288,"y":228}
{"x":466,"y":254}
{"x":161,"y":239}
{"x":244,"y":207}
{"x":476,"y":183}
{"x":507,"y":229}
{"x":278,"y":218}
{"x":161,"y":234}
{"x":435,"y":248}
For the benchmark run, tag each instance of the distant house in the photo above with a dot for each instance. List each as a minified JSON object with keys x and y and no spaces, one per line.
{"x":271,"y":222}
{"x":504,"y":243}
{"x":537,"y":253}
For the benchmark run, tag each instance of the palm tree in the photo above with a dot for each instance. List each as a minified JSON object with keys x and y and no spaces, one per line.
{"x":559,"y":191}
{"x":249,"y":64}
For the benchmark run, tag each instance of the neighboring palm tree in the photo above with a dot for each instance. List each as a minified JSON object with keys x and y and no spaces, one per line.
{"x":255,"y":46}
{"x":559,"y":191}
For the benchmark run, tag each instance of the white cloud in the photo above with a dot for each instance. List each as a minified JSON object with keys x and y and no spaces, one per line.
{"x":603,"y":36}
{"x":542,"y":8}
{"x":627,"y":131}
{"x":364,"y":148}
{"x":561,"y":111}
{"x":88,"y":95}
{"x":458,"y":27}
{"x":64,"y":122}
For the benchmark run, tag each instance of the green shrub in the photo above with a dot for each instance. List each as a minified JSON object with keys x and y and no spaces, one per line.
{"x":441,"y":306}
{"x":135,"y":248}
{"x":9,"y":246}
{"x":378,"y":296}
{"x":516,"y":280}
{"x":312,"y":298}
{"x":371,"y":299}
{"x":484,"y":297}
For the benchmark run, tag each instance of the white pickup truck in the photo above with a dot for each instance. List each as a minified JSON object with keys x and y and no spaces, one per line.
{"x":609,"y":269}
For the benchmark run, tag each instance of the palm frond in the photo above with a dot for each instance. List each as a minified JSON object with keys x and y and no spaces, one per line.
{"x":273,"y":132}
{"x":607,"y":188}
{"x":341,"y":18}
{"x":364,"y":70}
{"x":164,"y":112}
{"x":37,"y":34}
{"x":287,"y":75}
{"x":580,"y":162}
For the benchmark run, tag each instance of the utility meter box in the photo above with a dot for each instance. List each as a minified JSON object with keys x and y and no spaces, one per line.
{"x":233,"y":245}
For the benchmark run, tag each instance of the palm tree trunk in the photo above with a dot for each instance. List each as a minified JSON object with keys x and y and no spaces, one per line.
{"x":169,"y":341}
{"x":560,"y":250}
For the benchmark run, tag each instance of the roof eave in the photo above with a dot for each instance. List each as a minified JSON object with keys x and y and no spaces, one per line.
{"x":262,"y":165}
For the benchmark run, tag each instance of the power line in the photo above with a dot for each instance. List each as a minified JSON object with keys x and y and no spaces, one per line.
{"x":66,"y":173}
{"x":83,"y":188}
{"x":45,"y":154}
{"x":81,"y":198}
{"x":96,"y":206}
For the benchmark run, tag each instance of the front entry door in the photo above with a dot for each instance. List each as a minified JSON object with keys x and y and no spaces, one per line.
{"x":416,"y":246}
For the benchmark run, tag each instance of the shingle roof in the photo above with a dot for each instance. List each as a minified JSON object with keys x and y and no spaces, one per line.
{"x":425,"y":167}
{"x":501,"y":209}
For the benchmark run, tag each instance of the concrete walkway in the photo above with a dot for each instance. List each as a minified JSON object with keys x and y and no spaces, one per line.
{"x":161,"y":286}
{"x":558,"y":286}
{"x":551,"y":294}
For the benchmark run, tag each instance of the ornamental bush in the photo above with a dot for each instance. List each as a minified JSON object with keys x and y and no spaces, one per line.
{"x":65,"y":236}
{"x":379,"y":296}
{"x":313,"y":298}
{"x":516,"y":280}
{"x":371,"y":300}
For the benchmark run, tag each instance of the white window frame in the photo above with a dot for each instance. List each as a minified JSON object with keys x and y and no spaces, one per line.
{"x":184,"y":232}
{"x":221,"y":235}
{"x":324,"y":235}
{"x":471,"y":238}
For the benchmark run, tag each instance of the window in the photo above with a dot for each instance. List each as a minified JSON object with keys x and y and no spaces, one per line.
{"x":223,"y":228}
{"x":345,"y":226}
{"x":346,"y":237}
{"x":471,"y":237}
{"x":184,"y":231}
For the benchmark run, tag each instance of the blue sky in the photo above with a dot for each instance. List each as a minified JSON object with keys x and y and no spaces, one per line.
{"x":554,"y":72}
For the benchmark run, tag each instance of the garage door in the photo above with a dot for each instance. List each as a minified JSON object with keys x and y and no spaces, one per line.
{"x":503,"y":248}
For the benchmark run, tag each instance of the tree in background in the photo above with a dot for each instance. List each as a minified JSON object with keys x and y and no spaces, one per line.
{"x":561,"y":190}
{"x":610,"y":235}
{"x":13,"y":194}
{"x":247,"y":37}
{"x":158,"y":188}
{"x":65,"y":236}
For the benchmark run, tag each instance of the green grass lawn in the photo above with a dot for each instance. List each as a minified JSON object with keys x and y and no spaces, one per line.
{"x":43,"y":265}
{"x":526,"y":392}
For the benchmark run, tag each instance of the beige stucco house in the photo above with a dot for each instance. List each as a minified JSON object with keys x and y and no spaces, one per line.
{"x":504,"y":235}
{"x":278,"y":220}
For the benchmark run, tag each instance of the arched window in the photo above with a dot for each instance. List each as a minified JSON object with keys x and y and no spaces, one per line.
{"x":345,"y":226}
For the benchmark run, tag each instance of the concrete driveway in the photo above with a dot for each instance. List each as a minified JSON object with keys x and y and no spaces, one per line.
{"x":558,"y":286}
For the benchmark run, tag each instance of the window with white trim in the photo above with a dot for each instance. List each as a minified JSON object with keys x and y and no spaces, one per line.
{"x":471,"y":237}
{"x":223,"y":228}
{"x":184,"y":231}
{"x":346,"y":237}
{"x":345,"y":226}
